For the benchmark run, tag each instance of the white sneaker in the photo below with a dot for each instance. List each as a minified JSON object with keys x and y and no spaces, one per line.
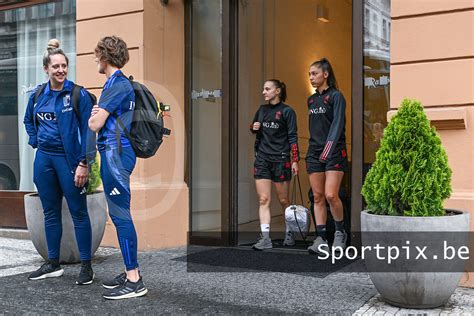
{"x":263,"y":243}
{"x":289,"y":239}
{"x":340,"y":239}
{"x":318,"y":244}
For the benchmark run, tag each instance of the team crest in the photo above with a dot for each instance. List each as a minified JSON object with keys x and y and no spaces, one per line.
{"x":278,"y":115}
{"x":66,"y":100}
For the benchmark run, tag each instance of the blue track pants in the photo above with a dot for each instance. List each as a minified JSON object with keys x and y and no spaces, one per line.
{"x":53,"y":179}
{"x":115,"y":170}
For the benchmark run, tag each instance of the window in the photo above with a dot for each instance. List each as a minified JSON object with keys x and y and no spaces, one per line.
{"x":24,"y":34}
{"x":375,"y":24}
{"x":389,"y":30}
{"x":384,"y":29}
{"x":376,"y":80}
{"x":367,"y":19}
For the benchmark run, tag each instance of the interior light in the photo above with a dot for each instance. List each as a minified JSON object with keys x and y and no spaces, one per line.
{"x":322,"y":13}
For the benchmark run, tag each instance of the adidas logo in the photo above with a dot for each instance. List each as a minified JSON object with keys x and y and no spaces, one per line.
{"x":84,"y":190}
{"x":114,"y":192}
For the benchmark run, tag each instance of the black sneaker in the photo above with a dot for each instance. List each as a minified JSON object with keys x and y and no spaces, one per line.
{"x":115,"y":282}
{"x":86,"y":276}
{"x":47,"y":270}
{"x":126,"y":290}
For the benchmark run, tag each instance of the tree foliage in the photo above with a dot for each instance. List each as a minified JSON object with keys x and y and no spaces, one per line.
{"x":410,"y":176}
{"x":94,"y":177}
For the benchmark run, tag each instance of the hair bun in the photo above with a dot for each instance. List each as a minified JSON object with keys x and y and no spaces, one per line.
{"x":53,"y":43}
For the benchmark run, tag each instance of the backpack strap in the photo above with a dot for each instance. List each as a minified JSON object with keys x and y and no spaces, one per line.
{"x":75,"y":96}
{"x":39,"y":92}
{"x":117,"y":132}
{"x":119,"y":121}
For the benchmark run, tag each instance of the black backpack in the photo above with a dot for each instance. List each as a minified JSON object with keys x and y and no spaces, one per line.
{"x":75,"y":95}
{"x":147,"y":128}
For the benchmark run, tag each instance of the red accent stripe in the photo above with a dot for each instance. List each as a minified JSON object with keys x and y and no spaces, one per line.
{"x":294,"y":151}
{"x":327,"y":149}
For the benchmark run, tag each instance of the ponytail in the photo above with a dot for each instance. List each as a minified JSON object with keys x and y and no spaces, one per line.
{"x":325,"y":65}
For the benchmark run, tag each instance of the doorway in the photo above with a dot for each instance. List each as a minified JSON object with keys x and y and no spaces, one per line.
{"x":232,"y":48}
{"x":280,"y":39}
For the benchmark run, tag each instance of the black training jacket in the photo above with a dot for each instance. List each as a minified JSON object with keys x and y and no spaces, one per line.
{"x":277,"y":139}
{"x":327,"y":121}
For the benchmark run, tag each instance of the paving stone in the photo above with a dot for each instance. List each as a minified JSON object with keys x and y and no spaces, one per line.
{"x":175,"y":290}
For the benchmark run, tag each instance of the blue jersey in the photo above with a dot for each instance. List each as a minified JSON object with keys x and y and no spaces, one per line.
{"x":118,"y":99}
{"x":49,"y":138}
{"x":54,"y":126}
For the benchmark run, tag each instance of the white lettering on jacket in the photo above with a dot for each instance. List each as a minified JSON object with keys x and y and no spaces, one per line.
{"x":46,"y":116}
{"x":320,"y":110}
{"x":271,"y":125}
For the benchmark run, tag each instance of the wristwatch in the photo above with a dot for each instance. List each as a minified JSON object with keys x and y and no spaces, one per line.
{"x":83,"y":163}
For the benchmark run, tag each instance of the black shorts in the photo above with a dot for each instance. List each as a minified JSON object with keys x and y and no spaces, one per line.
{"x":337,"y":162}
{"x":275,"y":171}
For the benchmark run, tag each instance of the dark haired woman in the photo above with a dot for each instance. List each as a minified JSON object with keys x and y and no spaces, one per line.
{"x":117,"y":160}
{"x":61,"y":168}
{"x":277,"y":155}
{"x":326,"y":160}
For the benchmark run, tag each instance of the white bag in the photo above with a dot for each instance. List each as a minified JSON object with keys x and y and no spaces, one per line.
{"x":298,"y":219}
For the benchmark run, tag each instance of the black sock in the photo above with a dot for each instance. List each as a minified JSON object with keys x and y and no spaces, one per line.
{"x":339,"y":225}
{"x":321,"y":229}
{"x":86,"y":262}
{"x":54,"y":262}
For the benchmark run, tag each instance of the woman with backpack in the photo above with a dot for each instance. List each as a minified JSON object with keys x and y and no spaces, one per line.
{"x":58,"y":129}
{"x":326,"y":160}
{"x":277,"y":155}
{"x":115,"y":109}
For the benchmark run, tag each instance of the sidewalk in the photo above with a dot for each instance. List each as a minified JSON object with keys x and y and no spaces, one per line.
{"x":172,"y":289}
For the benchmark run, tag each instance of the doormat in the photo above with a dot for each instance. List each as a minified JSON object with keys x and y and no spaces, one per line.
{"x":229,"y":259}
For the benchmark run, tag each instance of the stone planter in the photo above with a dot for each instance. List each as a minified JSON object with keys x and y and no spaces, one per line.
{"x":96,"y":205}
{"x":411,"y":288}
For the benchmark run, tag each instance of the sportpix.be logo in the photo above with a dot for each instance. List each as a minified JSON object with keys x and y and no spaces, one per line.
{"x":390,"y":254}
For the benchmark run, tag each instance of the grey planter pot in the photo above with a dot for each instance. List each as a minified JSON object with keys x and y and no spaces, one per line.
{"x":413,"y":289}
{"x":96,"y":205}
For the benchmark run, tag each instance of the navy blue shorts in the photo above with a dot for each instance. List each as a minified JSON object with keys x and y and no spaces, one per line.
{"x":337,"y":162}
{"x":279,"y":171}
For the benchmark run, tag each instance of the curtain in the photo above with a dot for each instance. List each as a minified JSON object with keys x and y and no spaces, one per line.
{"x":35,"y":27}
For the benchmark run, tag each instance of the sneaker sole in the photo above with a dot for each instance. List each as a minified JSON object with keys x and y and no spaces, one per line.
{"x":86,"y":283}
{"x":110,"y":287}
{"x":260,"y":249}
{"x":289,"y":245}
{"x":54,"y":274}
{"x":129,"y":295}
{"x":313,"y":252}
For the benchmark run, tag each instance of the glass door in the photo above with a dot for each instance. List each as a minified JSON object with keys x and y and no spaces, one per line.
{"x":207,"y":120}
{"x":280,"y":39}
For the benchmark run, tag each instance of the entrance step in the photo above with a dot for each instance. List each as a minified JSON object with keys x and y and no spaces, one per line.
{"x":14,"y":233}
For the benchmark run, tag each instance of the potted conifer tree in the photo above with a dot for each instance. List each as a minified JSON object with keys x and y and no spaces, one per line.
{"x":96,"y":206}
{"x":404,"y":191}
